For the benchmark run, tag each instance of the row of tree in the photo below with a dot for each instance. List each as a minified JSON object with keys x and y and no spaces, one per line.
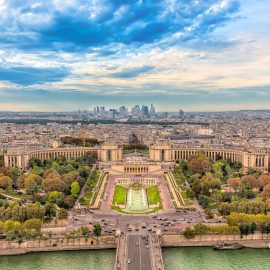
{"x":17,"y":230}
{"x":202,"y":229}
{"x":256,"y":206}
{"x":89,"y":142}
{"x":235,"y":219}
{"x":16,"y":212}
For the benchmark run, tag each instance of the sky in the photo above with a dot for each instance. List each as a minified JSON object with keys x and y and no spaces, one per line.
{"x":197,"y":55}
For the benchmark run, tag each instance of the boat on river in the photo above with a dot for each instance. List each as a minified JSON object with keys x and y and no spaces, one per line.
{"x":227,"y":245}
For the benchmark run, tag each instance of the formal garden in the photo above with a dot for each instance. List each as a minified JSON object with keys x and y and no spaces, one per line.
{"x":136,"y":200}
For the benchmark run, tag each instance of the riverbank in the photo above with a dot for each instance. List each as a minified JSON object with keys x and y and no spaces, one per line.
{"x":256,"y":241}
{"x":57,"y":244}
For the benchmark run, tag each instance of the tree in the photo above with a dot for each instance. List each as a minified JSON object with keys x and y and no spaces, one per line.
{"x":266,"y":192}
{"x":55,"y":165}
{"x":244,"y":229}
{"x":201,"y":229}
{"x":75,"y":188}
{"x":69,"y":201}
{"x":199,"y":163}
{"x":13,"y":229}
{"x":189,"y":233}
{"x":2,"y":227}
{"x":35,"y":162}
{"x":56,"y":197}
{"x":50,"y":210}
{"x":249,"y":181}
{"x":16,"y":173}
{"x":253,"y":227}
{"x":37,"y":170}
{"x":84,"y":171}
{"x":234,"y":183}
{"x":84,"y":231}
{"x":265,"y":227}
{"x":209,"y":182}
{"x":69,"y":168}
{"x":32,"y":225}
{"x":70,"y":177}
{"x":62,"y":214}
{"x":217,"y":169}
{"x":182,"y":165}
{"x":51,"y":173}
{"x":264,"y":180}
{"x":51,"y":184}
{"x":204,"y":201}
{"x":97,"y":230}
{"x":5,"y":181}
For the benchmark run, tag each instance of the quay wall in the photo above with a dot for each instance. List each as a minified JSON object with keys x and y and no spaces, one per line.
{"x":57,"y":244}
{"x":256,"y":240}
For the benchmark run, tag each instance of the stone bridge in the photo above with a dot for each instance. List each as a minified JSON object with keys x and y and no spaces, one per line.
{"x":138,"y":252}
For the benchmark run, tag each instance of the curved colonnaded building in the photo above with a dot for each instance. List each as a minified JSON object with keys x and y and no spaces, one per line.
{"x":158,"y":152}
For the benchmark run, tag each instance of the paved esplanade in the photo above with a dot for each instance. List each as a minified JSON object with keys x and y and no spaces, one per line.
{"x":139,"y":252}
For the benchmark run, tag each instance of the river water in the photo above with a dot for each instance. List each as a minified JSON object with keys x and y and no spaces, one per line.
{"x":202,"y":258}
{"x":174,"y":259}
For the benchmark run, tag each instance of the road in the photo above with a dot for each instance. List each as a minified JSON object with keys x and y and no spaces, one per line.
{"x":139,"y":255}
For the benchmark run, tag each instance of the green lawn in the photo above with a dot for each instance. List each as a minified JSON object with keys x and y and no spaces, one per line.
{"x":119,"y":195}
{"x":153,"y":195}
{"x":185,"y":197}
{"x":91,"y":183}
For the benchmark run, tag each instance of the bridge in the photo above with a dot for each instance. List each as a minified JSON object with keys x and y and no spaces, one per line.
{"x":139,"y":252}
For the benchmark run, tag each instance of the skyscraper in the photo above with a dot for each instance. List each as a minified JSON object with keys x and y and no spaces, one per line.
{"x":145,"y":111}
{"x":181,"y":114}
{"x":123,"y":111}
{"x":136,"y":111}
{"x":152,"y":110}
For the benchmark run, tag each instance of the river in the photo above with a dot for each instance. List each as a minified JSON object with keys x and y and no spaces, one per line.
{"x":193,"y":258}
{"x":202,"y":258}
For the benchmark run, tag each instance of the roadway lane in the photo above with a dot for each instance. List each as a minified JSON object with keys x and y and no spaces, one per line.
{"x":139,"y":255}
{"x":146,"y":257}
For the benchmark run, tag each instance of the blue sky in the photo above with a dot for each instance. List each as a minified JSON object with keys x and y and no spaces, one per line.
{"x":197,"y":55}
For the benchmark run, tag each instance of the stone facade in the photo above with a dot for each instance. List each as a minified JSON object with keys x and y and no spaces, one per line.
{"x":159,"y":152}
{"x":164,"y":152}
{"x":105,"y":153}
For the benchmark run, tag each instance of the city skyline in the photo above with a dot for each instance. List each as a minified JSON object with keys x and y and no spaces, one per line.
{"x":192,"y":55}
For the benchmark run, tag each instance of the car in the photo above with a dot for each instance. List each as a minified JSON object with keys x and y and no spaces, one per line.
{"x":129,"y":229}
{"x":137,"y":243}
{"x":102,"y":220}
{"x":143,"y":227}
{"x":129,"y":261}
{"x":136,"y":229}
